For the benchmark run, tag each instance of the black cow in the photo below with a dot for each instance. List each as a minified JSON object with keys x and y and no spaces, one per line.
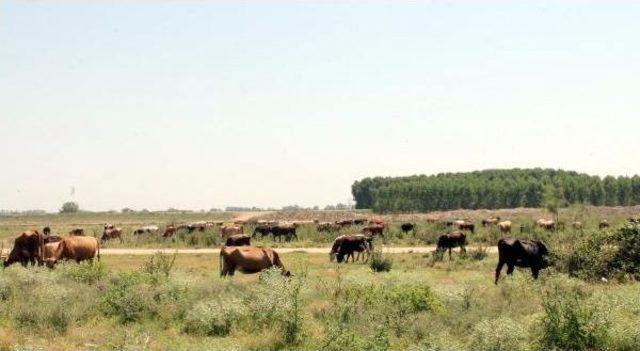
{"x":346,"y":245}
{"x":450,"y":241}
{"x":467,"y":226}
{"x":262,"y":229}
{"x":408,"y":227}
{"x":288,"y":231}
{"x":238,"y":240}
{"x":522,"y":253}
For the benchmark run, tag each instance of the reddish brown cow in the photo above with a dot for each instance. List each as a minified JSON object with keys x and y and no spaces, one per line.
{"x":249,"y":260}
{"x":27,"y":247}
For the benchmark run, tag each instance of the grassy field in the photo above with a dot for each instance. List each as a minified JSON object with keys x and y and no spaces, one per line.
{"x":125,"y":302}
{"x":425,"y":234}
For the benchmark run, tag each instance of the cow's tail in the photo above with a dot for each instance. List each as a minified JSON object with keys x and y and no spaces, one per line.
{"x":98,"y":243}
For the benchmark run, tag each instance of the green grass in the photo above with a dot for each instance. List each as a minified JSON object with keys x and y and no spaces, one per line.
{"x":125,"y":303}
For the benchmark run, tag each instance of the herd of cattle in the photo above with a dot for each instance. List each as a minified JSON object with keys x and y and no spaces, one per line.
{"x":45,"y":248}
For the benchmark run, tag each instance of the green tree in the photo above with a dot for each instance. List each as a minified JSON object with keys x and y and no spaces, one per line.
{"x":70,"y":207}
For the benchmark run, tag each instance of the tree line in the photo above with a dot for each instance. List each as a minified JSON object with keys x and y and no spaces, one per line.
{"x":492,"y":189}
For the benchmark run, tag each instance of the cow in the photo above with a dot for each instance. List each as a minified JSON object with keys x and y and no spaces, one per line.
{"x":50,"y":248}
{"x":149,"y":229}
{"x":345,"y":245}
{"x":548,"y":225}
{"x":238,"y":240}
{"x":76,"y":231}
{"x":576,"y":225}
{"x":76,"y":248}
{"x":111,"y":232}
{"x":249,"y":259}
{"x":199,"y":226}
{"x":467,"y":226}
{"x":52,"y":239}
{"x":169,"y":231}
{"x":327,"y":227}
{"x":288,"y":231}
{"x":490,"y":221}
{"x":231,"y":229}
{"x":408,"y":227}
{"x":604,"y":224}
{"x":521,"y":253}
{"x":27,"y":247}
{"x":373,"y":230}
{"x":505,"y":226}
{"x":345,"y":222}
{"x":378,"y":221}
{"x":452,"y":240}
{"x":262,"y":229}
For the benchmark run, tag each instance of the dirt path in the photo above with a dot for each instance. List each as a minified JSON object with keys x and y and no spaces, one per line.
{"x":313,"y":250}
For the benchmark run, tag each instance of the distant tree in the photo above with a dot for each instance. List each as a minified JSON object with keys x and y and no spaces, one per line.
{"x":316,"y":208}
{"x":127,"y":210}
{"x":553,"y":200}
{"x":144,"y":210}
{"x":329,"y":208}
{"x":70,"y":207}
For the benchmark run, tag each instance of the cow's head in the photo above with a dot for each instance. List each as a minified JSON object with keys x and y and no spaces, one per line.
{"x":332,"y":256}
{"x":340,"y":257}
{"x":50,"y":262}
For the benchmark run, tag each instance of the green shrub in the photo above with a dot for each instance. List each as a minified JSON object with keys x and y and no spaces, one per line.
{"x":570,"y":323}
{"x":502,"y":334}
{"x":86,"y":273}
{"x":159,"y":264}
{"x":478,"y":254}
{"x":127,"y":298}
{"x":341,"y":337}
{"x":6,"y":289}
{"x":213,"y":318}
{"x":379,"y":263}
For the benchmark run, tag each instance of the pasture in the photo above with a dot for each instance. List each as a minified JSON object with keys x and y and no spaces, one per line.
{"x":140,"y":303}
{"x":425,"y":302}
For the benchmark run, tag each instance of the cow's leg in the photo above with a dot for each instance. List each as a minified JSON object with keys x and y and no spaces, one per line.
{"x":498,"y":270}
{"x":463,"y":249}
{"x":535,"y":272}
{"x":510,"y":268}
{"x":450,"y":253}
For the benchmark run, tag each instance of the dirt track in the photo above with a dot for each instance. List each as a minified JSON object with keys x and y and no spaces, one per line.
{"x":313,"y":250}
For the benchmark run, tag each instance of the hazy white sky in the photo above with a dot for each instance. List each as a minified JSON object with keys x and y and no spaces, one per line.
{"x":200,"y":104}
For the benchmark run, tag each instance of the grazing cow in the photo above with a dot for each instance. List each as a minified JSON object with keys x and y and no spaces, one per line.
{"x":170,"y":231}
{"x":76,"y":248}
{"x":345,"y":222}
{"x":262,"y":229}
{"x":345,"y":245}
{"x":27,"y":247}
{"x":288,"y":231}
{"x":111,"y":232}
{"x":378,"y":221}
{"x":467,"y":226}
{"x":76,"y":232}
{"x":50,"y":248}
{"x":408,"y":227}
{"x":229,"y":229}
{"x":360,"y":221}
{"x":490,"y":221}
{"x":546,"y":224}
{"x":373,"y":230}
{"x":149,"y":229}
{"x":238,"y":240}
{"x":448,"y":223}
{"x":249,"y":260}
{"x":328,"y":227}
{"x":505,"y":226}
{"x":452,"y":240}
{"x":521,"y":253}
{"x":199,"y":226}
{"x":604,"y":224}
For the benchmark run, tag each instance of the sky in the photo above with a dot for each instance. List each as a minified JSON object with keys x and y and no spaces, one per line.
{"x":201,"y":104}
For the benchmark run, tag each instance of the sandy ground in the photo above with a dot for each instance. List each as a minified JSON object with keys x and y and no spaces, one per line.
{"x":313,"y":250}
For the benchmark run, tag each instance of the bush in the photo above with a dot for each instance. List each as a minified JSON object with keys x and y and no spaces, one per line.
{"x":159,"y":264}
{"x":502,"y":334}
{"x":213,"y":318}
{"x":339,"y":338}
{"x":379,"y":263}
{"x":70,"y":207}
{"x":127,"y":298}
{"x":86,"y":273}
{"x":478,"y":254}
{"x":570,"y":323}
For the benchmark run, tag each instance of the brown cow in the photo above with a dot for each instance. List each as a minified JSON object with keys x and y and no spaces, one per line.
{"x":27,"y":247}
{"x":111,"y":232}
{"x":77,"y":248}
{"x":467,"y":226}
{"x":328,"y":227}
{"x":546,"y":224}
{"x":345,"y":245}
{"x":170,"y":231}
{"x":50,"y":248}
{"x":228,"y":230}
{"x":505,"y":226}
{"x":374,"y":229}
{"x":490,"y":221}
{"x":249,"y":260}
{"x":76,"y":231}
{"x":238,"y":240}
